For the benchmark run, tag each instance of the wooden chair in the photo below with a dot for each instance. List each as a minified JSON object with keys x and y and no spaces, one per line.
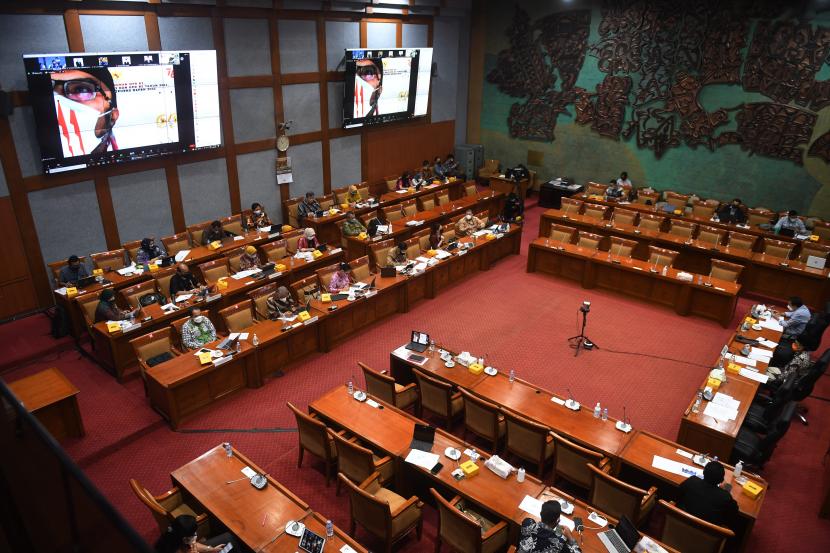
{"x":358,"y":463}
{"x":363,"y":188}
{"x":391,"y":182}
{"x":56,"y":266}
{"x":177,"y":330}
{"x":233,"y":258}
{"x":811,"y":248}
{"x":413,"y":248}
{"x":239,"y":316}
{"x":381,"y":512}
{"x":383,"y":386}
{"x":571,"y":206}
{"x":291,"y":210}
{"x":682,"y":229}
{"x":690,"y":534}
{"x":489,"y":169}
{"x":617,"y":498}
{"x":650,"y":222}
{"x":196,"y":231}
{"x":595,"y":211}
{"x":151,"y":346}
{"x":409,"y":207}
{"x":588,"y":240}
{"x":305,"y":289}
{"x":778,"y":248}
{"x":562,"y":233}
{"x":315,"y":438}
{"x":212,"y":271}
{"x":725,"y":270}
{"x":677,"y":201}
{"x":529,"y":440}
{"x":259,"y":297}
{"x":470,"y":188}
{"x":740,"y":241}
{"x":464,"y":529}
{"x":647,"y":198}
{"x":571,"y":460}
{"x":341,"y":195}
{"x":711,"y":235}
{"x":132,"y":249}
{"x":131,"y":295}
{"x":325,"y":275}
{"x":482,"y":418}
{"x":393,"y":213}
{"x":596,"y":189}
{"x":176,"y":243}
{"x":704,"y":209}
{"x":624,"y":216}
{"x":449,"y":234}
{"x":661,"y":256}
{"x":442,"y":197}
{"x":380,"y":251}
{"x":274,"y":251}
{"x":426,"y":202}
{"x":233,"y":223}
{"x":292,"y":240}
{"x":109,"y":261}
{"x":622,"y":247}
{"x":87,"y":304}
{"x":326,"y":201}
{"x":361,"y":270}
{"x":822,"y":230}
{"x":437,"y":397}
{"x":167,"y":506}
{"x":423,"y":238}
{"x":162,"y":277}
{"x":759,"y":216}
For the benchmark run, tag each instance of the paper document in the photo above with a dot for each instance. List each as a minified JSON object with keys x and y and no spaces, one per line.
{"x":233,"y":336}
{"x":180,"y":256}
{"x":249,"y":472}
{"x":243,"y":335}
{"x":720,"y":412}
{"x":238,"y":238}
{"x":763,"y":352}
{"x":752,"y":375}
{"x":727,"y":401}
{"x":403,"y":191}
{"x":347,"y":549}
{"x":422,"y":459}
{"x":245,"y":274}
{"x":372,"y":403}
{"x":126,"y":271}
{"x":681,"y":469}
{"x":481,"y":232}
{"x":183,"y":297}
{"x":441,"y":254}
{"x":61,"y":291}
{"x":531,"y":505}
{"x":648,"y":545}
{"x":684,"y":453}
{"x":772,"y":324}
{"x":401,"y":352}
{"x":740,"y":359}
{"x":768,"y":343}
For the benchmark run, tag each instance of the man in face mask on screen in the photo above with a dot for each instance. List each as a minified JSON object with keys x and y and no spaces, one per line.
{"x":86,"y":109}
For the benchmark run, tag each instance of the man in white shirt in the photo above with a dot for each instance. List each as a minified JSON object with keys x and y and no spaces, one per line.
{"x":796,"y":317}
{"x":624,"y":182}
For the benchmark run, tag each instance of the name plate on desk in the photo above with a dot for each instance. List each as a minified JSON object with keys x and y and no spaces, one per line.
{"x":336,"y":251}
{"x":130,"y":328}
{"x":273,"y":235}
{"x":371,"y":293}
{"x":311,"y":320}
{"x":213,"y":298}
{"x":274,"y":275}
{"x":222,"y":360}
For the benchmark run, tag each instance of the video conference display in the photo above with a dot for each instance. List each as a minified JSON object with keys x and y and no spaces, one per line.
{"x":102,"y":108}
{"x":385,"y":85}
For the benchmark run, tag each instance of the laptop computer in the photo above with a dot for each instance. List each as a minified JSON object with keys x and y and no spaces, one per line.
{"x":418,"y":341}
{"x":167,"y":261}
{"x":786,"y":232}
{"x":372,"y":285}
{"x":86,"y":281}
{"x":816,"y":262}
{"x":621,"y":539}
{"x":423,"y":437}
{"x":388,"y":272}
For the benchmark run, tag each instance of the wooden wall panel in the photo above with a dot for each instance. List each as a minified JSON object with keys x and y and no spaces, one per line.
{"x":17,"y":292}
{"x":389,"y":150}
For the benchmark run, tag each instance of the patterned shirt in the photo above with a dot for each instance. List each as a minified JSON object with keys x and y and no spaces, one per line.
{"x":304,"y":209}
{"x":538,"y":537}
{"x":464,"y":226}
{"x":143,"y":256}
{"x":277,"y":307}
{"x":248,"y":261}
{"x":339,"y":281}
{"x":257,"y":221}
{"x":353,"y":227}
{"x":395,"y":257}
{"x":195,"y":335}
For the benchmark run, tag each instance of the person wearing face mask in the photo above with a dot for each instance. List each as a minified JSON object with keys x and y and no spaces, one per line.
{"x":182,"y":281}
{"x":468,"y":224}
{"x":308,"y":241}
{"x":341,"y":279}
{"x":258,"y":218}
{"x":438,"y":169}
{"x":436,"y":236}
{"x":351,"y":226}
{"x":249,"y":259}
{"x":281,"y":303}
{"x":733,"y":212}
{"x":403,"y":181}
{"x":213,"y":233}
{"x":181,"y":538}
{"x":353,"y":195}
{"x":72,"y":272}
{"x":795,"y":319}
{"x":379,"y":220}
{"x":86,"y":110}
{"x":307,"y":207}
{"x":790,"y":224}
{"x":148,"y":251}
{"x":197,"y":330}
{"x":397,"y":255}
{"x":106,"y":310}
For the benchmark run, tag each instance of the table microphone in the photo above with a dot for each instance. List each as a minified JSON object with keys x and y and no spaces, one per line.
{"x":656,"y":261}
{"x":567,"y":207}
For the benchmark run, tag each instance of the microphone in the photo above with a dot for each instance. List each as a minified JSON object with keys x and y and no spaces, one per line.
{"x":567,"y":207}
{"x":656,"y":261}
{"x":623,"y":425}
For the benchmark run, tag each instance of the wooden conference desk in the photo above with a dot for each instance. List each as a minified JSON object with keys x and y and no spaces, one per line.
{"x":390,"y":430}
{"x":763,"y":274}
{"x":114,"y":352}
{"x":256,"y":517}
{"x":500,"y":183}
{"x":705,"y":297}
{"x":53,"y":400}
{"x":706,"y":433}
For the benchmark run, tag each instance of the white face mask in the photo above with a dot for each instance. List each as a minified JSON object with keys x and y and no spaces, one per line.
{"x":258,"y":212}
{"x":469,"y":217}
{"x":76,"y":124}
{"x":199,"y":320}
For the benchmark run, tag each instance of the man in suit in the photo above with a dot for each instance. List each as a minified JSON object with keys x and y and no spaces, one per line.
{"x":733,"y":212}
{"x":706,"y":499}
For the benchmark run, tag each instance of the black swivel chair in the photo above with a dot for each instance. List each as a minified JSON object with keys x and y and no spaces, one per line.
{"x":755,"y":449}
{"x":765,"y":409}
{"x":804,"y":386}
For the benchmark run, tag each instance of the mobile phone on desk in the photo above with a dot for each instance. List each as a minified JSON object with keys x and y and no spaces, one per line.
{"x":437,"y":468}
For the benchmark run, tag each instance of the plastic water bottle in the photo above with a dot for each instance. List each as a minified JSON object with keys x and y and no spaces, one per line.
{"x":431,"y":346}
{"x":228,"y":449}
{"x":520,"y":475}
{"x":512,"y":375}
{"x":329,"y":529}
{"x":350,"y":387}
{"x":597,"y":411}
{"x":605,"y":414}
{"x":473,"y":454}
{"x":739,"y":467}
{"x":665,"y":270}
{"x":255,"y":341}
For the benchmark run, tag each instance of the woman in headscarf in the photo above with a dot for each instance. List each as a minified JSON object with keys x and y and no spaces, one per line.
{"x":353,"y":196}
{"x":249,"y":259}
{"x":106,"y":310}
{"x":280,"y":303}
{"x":258,"y":218}
{"x":148,"y":251}
{"x":308,"y":241}
{"x":341,"y":279}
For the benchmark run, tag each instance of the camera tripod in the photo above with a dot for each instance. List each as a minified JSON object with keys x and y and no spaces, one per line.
{"x":581,"y":341}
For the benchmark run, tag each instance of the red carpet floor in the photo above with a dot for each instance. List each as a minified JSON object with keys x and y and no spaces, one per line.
{"x":651,"y":362}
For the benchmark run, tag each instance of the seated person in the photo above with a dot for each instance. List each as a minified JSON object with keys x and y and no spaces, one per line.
{"x":197,"y":330}
{"x":425,"y":171}
{"x":438,"y":169}
{"x":616,"y":192}
{"x":451,"y":167}
{"x":353,"y":195}
{"x":418,"y":180}
{"x":403,"y":181}
{"x":308,"y":241}
{"x":280,"y":303}
{"x":249,"y":259}
{"x":106,"y":310}
{"x":468,"y":224}
{"x":795,"y":319}
{"x":800,"y":365}
{"x":148,"y":251}
{"x":72,"y":272}
{"x":308,"y":206}
{"x":513,"y":207}
{"x":181,"y":538}
{"x":546,"y":536}
{"x":183,"y":281}
{"x":436,"y":236}
{"x":352,"y":226}
{"x":790,"y":223}
{"x":624,"y":181}
{"x":704,"y":498}
{"x":397,"y":255}
{"x":258,"y":218}
{"x":341,"y":279}
{"x":379,"y":220}
{"x":733,"y":212}
{"x":214,"y":232}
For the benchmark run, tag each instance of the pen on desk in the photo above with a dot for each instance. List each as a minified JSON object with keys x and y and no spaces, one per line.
{"x":264,"y":518}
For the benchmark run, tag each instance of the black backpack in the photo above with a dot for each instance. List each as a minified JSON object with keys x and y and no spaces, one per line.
{"x":151,"y":298}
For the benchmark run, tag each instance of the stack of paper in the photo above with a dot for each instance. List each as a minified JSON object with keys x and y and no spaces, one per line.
{"x":422,"y":459}
{"x":768,"y":343}
{"x":720,"y":412}
{"x":245,"y":274}
{"x":760,"y":354}
{"x":441,"y":254}
{"x":740,"y":359}
{"x":127,"y":271}
{"x":772,"y":324}
{"x":752,"y":375}
{"x":180,"y":256}
{"x":725,"y":400}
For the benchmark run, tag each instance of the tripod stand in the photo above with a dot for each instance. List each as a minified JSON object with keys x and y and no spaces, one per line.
{"x":580,"y":341}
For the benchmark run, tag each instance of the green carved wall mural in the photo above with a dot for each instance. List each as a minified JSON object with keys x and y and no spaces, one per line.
{"x":719,"y":98}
